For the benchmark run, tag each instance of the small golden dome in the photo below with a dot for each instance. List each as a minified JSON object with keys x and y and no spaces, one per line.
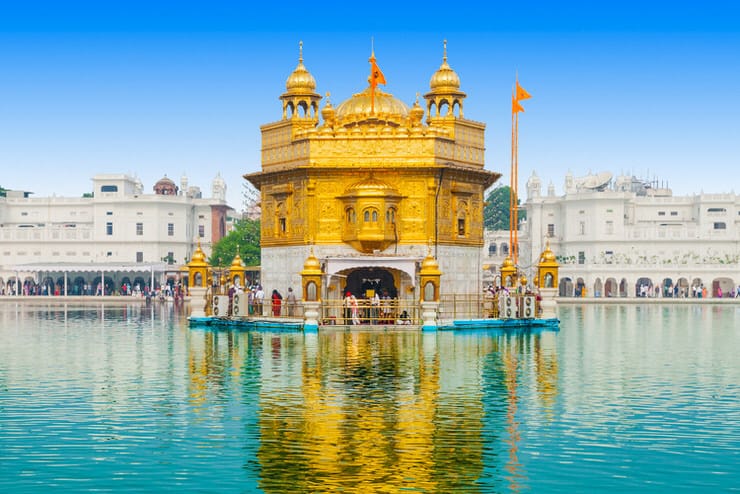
{"x":417,"y":112}
{"x":445,"y":80}
{"x":370,"y":187}
{"x":237,"y":262}
{"x":328,"y":113}
{"x":508,"y":263}
{"x":360,"y":108}
{"x":547,"y":255}
{"x":311,"y":265}
{"x":301,"y":80}
{"x":429,"y":264}
{"x":199,"y":258}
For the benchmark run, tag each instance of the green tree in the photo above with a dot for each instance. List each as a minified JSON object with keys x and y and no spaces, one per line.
{"x":3,"y":190}
{"x":246,"y":237}
{"x":496,"y":210}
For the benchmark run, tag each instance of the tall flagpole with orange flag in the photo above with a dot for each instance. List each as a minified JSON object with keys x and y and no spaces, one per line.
{"x":518,"y":94}
{"x":376,"y":77}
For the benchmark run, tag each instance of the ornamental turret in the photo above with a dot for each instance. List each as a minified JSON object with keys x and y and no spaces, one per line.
{"x":444,"y":97}
{"x":300,"y":99}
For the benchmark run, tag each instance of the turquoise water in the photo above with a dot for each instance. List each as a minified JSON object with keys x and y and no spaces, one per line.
{"x":623,"y":399}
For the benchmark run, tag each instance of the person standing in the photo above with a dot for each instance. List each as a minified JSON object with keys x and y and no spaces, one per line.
{"x":277,"y":300}
{"x":259,"y":298}
{"x":354,"y":306}
{"x":291,"y":301}
{"x":347,"y":307}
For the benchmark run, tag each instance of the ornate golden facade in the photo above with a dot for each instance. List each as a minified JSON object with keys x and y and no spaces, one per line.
{"x":373,"y":175}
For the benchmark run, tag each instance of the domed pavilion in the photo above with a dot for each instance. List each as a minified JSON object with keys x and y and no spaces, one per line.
{"x":371,"y":187}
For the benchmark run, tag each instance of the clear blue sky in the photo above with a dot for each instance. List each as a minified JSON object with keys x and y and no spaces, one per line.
{"x":166,"y":88}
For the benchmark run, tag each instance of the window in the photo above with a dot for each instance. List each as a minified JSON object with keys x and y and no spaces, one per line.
{"x":139,"y":257}
{"x":201,"y":231}
{"x":24,"y":213}
{"x":140,"y":229}
{"x":109,"y":188}
{"x":109,"y":254}
{"x":581,"y":257}
{"x":720,"y":225}
{"x":283,"y":226}
{"x":492,"y":250}
{"x":609,"y":227}
{"x":170,"y":258}
{"x":109,"y":213}
{"x":375,"y":216}
{"x":551,"y":230}
{"x":716,"y":210}
{"x":674,"y":213}
{"x":390,"y":216}
{"x":582,"y":228}
{"x":170,"y":229}
{"x":351,"y":215}
{"x":366,"y":217}
{"x":109,"y":228}
{"x":661,"y":213}
{"x":504,"y":249}
{"x":461,"y":226}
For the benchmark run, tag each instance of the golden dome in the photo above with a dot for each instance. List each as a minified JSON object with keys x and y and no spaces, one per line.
{"x":445,"y":80}
{"x":547,"y":255}
{"x":508,"y":263}
{"x":370,"y":187}
{"x":237,"y":262}
{"x":359,"y":108}
{"x":199,"y":258}
{"x":311,"y":265}
{"x":430,"y":265}
{"x":301,"y":80}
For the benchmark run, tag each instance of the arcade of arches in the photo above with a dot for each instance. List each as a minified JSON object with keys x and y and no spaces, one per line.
{"x":680,"y":287}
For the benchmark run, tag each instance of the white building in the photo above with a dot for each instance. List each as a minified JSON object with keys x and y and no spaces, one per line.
{"x":121,"y":234}
{"x":624,"y":237}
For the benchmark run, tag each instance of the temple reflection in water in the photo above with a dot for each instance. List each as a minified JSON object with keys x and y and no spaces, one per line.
{"x":347,"y":410}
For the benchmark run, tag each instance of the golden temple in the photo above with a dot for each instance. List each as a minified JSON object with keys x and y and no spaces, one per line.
{"x":371,"y":187}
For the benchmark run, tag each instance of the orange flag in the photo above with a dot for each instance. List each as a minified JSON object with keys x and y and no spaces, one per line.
{"x":521,"y":93}
{"x":376,"y":75}
{"x":515,"y":106}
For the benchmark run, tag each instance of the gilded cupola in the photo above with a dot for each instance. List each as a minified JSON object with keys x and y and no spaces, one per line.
{"x":360,"y":109}
{"x":300,"y":100}
{"x":444,"y":98}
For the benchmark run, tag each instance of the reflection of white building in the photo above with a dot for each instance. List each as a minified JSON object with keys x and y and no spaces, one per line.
{"x":614,"y":236}
{"x":119,"y":232}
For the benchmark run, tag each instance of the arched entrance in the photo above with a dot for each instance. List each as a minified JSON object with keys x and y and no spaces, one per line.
{"x":610,"y":288}
{"x":644,"y":287}
{"x":565,"y":288}
{"x":362,"y":282}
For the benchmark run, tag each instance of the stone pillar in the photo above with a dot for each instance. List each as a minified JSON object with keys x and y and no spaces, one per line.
{"x":198,"y":301}
{"x":548,"y":303}
{"x":311,"y":316}
{"x":429,"y":315}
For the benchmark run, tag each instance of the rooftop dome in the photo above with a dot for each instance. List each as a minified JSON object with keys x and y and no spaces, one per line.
{"x":300,"y":80}
{"x":165,"y":186}
{"x":445,"y":79}
{"x":359,"y":108}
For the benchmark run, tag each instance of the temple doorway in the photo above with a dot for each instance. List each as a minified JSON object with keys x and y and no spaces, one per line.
{"x":363,"y":282}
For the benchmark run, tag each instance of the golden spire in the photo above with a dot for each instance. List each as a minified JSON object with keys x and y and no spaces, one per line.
{"x":300,"y":80}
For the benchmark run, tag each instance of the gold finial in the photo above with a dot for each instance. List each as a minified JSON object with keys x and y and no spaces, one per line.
{"x":372,"y":46}
{"x":444,"y":55}
{"x":327,"y":98}
{"x":300,"y":51}
{"x":417,"y":98}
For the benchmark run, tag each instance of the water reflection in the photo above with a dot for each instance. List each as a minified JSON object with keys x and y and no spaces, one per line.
{"x":131,"y":398}
{"x":353,"y":411}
